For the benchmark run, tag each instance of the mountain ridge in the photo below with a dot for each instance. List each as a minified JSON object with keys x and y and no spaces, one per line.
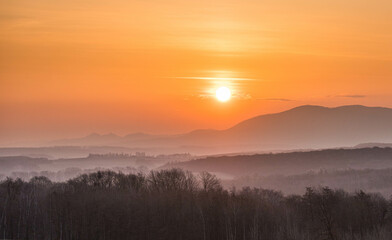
{"x":307,"y":126}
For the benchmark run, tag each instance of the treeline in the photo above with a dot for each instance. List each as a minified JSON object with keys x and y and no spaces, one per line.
{"x":291,"y":163}
{"x":351,"y":180}
{"x":68,"y":173}
{"x":173,"y":204}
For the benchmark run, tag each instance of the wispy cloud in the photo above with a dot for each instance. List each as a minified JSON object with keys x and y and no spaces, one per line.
{"x":10,"y":17}
{"x":351,"y":96}
{"x":212,"y":95}
{"x":218,"y":78}
{"x":211,"y":80}
{"x":276,"y":99}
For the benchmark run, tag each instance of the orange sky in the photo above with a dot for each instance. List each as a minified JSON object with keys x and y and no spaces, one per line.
{"x":72,"y":67}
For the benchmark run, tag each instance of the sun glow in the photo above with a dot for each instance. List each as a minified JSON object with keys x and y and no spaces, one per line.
{"x":223,"y":94}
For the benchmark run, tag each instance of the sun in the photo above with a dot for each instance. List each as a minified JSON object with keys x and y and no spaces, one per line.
{"x":223,"y":94}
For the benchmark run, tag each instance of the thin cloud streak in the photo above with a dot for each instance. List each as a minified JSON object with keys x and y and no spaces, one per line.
{"x":218,"y":78}
{"x":276,"y":99}
{"x":352,"y":96}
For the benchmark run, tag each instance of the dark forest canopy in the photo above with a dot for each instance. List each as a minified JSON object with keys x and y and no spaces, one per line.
{"x":291,"y":162}
{"x":350,"y":180}
{"x":174,"y":204}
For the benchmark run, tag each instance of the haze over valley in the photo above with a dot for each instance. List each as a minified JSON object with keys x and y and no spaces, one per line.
{"x":311,"y":143}
{"x":196,"y":120}
{"x":304,"y":127}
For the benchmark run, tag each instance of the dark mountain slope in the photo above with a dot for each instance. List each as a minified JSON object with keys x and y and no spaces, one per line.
{"x":298,"y":128}
{"x":291,"y":163}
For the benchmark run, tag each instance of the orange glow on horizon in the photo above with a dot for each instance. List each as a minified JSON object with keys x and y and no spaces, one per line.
{"x":76,"y":67}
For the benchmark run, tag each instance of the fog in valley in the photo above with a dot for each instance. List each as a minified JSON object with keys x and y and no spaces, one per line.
{"x":226,"y":184}
{"x":348,"y":147}
{"x":359,"y":168}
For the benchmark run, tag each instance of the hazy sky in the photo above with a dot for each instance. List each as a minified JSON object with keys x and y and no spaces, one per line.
{"x":72,"y":67}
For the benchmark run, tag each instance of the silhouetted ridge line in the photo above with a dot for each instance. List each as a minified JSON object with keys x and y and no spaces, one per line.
{"x":303,"y":127}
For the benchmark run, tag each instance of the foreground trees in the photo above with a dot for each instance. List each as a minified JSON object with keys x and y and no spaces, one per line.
{"x":173,"y":204}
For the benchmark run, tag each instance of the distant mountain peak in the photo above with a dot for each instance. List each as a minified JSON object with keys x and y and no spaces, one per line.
{"x":305,"y":108}
{"x":309,"y":107}
{"x":302,"y":127}
{"x":94,"y":135}
{"x":135,"y":134}
{"x":110,"y":135}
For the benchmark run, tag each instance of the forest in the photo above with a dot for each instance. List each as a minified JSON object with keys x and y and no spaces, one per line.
{"x":290,"y":163}
{"x":351,"y":180}
{"x":176,"y":204}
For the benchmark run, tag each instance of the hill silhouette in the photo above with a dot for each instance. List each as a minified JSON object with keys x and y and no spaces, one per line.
{"x":304,"y":127}
{"x":290,"y":163}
